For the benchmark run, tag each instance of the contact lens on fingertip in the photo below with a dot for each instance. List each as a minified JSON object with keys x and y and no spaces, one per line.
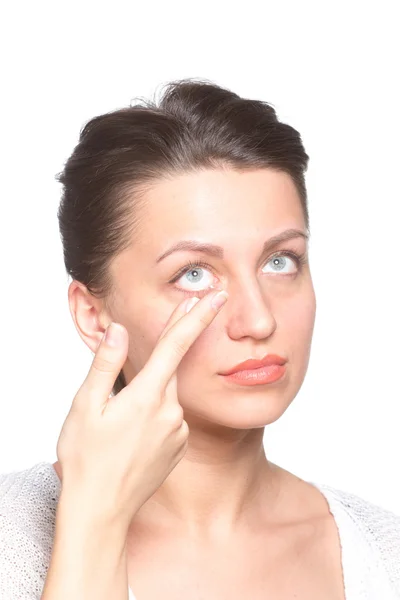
{"x":190,"y":303}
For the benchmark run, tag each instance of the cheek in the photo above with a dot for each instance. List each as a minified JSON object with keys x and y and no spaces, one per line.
{"x":299,"y":318}
{"x":200,"y":350}
{"x":143,"y":336}
{"x":204,"y":350}
{"x":153,"y":322}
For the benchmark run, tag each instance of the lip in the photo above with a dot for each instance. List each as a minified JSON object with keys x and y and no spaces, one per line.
{"x":260,"y":376}
{"x":252,"y":363}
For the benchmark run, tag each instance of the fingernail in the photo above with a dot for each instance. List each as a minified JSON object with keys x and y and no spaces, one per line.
{"x":190,"y":303}
{"x":113,"y":335}
{"x":219,"y":299}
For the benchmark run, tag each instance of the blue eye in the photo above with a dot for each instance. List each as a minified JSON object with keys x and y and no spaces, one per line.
{"x":280,"y":262}
{"x":195,"y":278}
{"x":193,"y":273}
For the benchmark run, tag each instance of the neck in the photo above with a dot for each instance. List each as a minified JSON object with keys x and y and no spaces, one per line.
{"x":223,"y":480}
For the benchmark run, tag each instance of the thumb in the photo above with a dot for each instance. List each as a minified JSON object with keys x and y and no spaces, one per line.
{"x":107,"y":363}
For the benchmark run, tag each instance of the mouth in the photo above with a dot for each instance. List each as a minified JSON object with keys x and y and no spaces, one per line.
{"x":260,"y":376}
{"x":254,"y":364}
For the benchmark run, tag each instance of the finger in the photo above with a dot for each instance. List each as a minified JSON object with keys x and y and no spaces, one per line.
{"x":172,"y":347}
{"x":109,"y":360}
{"x":179,"y":311}
{"x":107,"y":363}
{"x":171,"y":389}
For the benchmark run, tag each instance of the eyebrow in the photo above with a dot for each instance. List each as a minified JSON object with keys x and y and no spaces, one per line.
{"x":218,"y":251}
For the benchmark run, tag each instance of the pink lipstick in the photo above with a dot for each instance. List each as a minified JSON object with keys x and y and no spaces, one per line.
{"x":257,"y":372}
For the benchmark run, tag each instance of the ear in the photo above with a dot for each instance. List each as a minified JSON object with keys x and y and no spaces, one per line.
{"x":88,"y":314}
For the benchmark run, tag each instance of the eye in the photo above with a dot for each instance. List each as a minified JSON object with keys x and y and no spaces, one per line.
{"x":197,"y":276}
{"x":281,"y":263}
{"x":194,"y":277}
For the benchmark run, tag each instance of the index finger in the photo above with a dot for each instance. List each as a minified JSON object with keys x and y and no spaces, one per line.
{"x":174,"y":344}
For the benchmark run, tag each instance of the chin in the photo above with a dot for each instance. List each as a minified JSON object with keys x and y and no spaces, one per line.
{"x":244,"y":412}
{"x":241,"y":407}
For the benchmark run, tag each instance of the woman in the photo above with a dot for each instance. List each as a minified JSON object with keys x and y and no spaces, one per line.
{"x":162,"y":484}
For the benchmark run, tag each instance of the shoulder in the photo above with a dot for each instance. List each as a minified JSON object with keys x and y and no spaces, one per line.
{"x":378,"y":526}
{"x":28,"y":504}
{"x":375,"y":519}
{"x":29,"y":498}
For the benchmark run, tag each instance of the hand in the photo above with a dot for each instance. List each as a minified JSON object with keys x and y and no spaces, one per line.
{"x":115,"y":452}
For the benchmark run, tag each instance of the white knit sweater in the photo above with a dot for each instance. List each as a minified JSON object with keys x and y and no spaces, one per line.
{"x":369,"y":536}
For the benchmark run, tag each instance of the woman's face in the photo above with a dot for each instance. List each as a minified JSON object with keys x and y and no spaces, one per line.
{"x":271,"y":306}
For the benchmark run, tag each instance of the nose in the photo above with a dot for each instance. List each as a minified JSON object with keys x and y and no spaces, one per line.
{"x":248,"y":312}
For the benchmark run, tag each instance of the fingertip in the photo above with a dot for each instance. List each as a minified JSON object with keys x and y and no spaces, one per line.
{"x":114,"y":335}
{"x":219,"y":299}
{"x":190,"y":303}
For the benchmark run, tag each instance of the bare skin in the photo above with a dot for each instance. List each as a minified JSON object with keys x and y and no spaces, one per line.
{"x":226,"y":523}
{"x":295,"y":553}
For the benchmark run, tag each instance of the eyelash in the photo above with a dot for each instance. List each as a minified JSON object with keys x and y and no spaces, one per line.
{"x":300,"y":260}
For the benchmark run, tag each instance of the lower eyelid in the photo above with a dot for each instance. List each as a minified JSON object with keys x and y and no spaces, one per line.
{"x":198,"y":293}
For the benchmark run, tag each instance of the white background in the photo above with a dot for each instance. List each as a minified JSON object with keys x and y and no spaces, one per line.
{"x":330,"y":70}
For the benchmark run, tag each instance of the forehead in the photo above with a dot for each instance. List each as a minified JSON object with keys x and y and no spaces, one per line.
{"x":238,"y":211}
{"x":225,"y":201}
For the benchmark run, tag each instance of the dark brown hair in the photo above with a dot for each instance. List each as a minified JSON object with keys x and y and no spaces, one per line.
{"x":195,"y":125}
